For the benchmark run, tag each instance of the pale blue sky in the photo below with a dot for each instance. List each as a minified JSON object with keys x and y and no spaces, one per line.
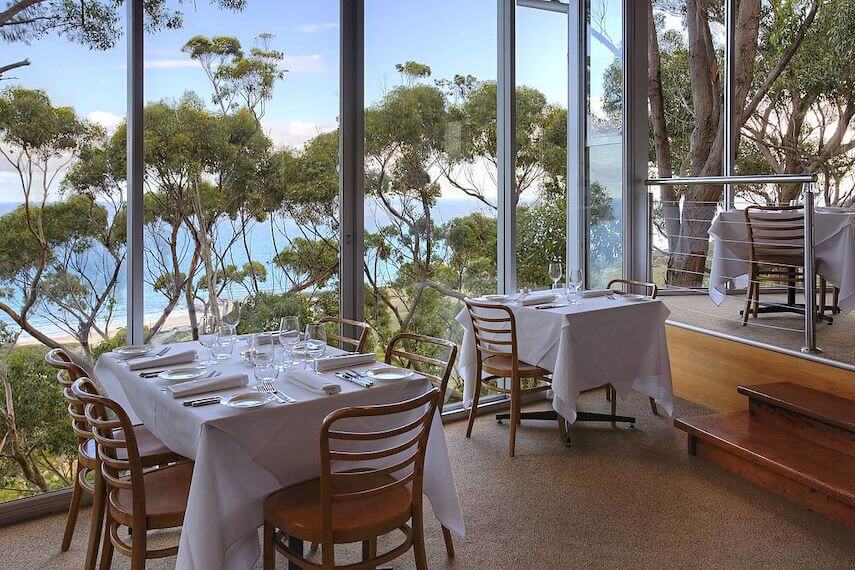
{"x":452,"y":36}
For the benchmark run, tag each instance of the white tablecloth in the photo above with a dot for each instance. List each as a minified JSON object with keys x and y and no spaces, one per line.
{"x":242,"y":456}
{"x":596,"y":342}
{"x":834,"y":248}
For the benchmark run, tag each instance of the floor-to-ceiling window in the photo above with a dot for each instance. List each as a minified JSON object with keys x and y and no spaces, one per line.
{"x":241,"y":167}
{"x":430,"y":163}
{"x":604,"y":141}
{"x":62,"y":97}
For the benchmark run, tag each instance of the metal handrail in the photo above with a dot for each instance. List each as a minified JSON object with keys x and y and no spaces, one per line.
{"x":718,"y":180}
{"x":808,"y":180}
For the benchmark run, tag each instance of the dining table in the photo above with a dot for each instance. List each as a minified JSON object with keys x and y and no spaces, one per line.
{"x":243,"y":455}
{"x":834,"y":252}
{"x":605,"y":338}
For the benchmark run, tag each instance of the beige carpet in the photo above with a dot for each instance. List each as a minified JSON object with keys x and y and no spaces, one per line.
{"x":785,"y":330}
{"x":617,"y":498}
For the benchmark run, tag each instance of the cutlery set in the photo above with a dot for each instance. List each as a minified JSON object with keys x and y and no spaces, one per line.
{"x":270,"y":388}
{"x":355,"y":377}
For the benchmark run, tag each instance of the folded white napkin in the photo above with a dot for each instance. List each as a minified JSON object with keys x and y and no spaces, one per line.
{"x":345,"y":361}
{"x":171,"y":357}
{"x":595,"y":293}
{"x":222,"y":382}
{"x":537,"y":298}
{"x":313,"y":382}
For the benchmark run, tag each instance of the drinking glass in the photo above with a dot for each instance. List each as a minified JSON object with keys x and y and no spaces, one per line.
{"x":574,"y":283}
{"x":555,"y":273}
{"x":230,"y":312}
{"x":289,"y":336}
{"x":263,"y":348}
{"x":316,"y":343}
{"x":208,"y":334}
{"x":264,"y":367}
{"x":224,"y":345}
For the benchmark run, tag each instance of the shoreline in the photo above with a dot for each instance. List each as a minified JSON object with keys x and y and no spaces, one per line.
{"x":177,"y":319}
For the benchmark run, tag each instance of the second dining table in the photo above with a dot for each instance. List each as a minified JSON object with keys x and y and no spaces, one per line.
{"x":604,"y":339}
{"x":242,"y":456}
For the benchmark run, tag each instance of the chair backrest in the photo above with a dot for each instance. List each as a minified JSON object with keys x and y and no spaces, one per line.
{"x":356,"y":344}
{"x":773,"y":232}
{"x":628,"y":285}
{"x":495,"y":330}
{"x":409,"y":350}
{"x":118,"y":452}
{"x":67,"y":373}
{"x":395,"y":455}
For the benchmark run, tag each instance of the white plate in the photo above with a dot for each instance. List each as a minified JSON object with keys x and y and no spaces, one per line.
{"x":247,"y":400}
{"x":133,"y":350}
{"x":634,"y":298}
{"x":183,"y":374}
{"x":389,"y":374}
{"x":496,"y":297}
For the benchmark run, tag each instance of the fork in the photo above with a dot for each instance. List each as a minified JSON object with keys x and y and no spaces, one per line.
{"x":160,"y":352}
{"x":267,"y":386}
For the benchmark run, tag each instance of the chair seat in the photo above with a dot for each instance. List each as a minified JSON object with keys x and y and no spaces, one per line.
{"x":166,"y":491}
{"x":502,"y":365}
{"x":153,"y":452}
{"x":297,"y":511}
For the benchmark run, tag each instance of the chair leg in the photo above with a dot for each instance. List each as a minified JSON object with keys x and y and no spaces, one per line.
{"x":369,"y":551}
{"x":97,"y":521}
{"x":515,"y":412}
{"x":823,"y":292}
{"x":419,"y":538}
{"x":107,"y":547}
{"x":449,"y":542}
{"x":138,"y":549}
{"x":562,"y":428}
{"x":613,"y":402}
{"x":474,"y":411}
{"x":268,"y":550}
{"x":835,"y":300}
{"x":653,"y":406}
{"x":749,"y":298}
{"x":756,"y":299}
{"x":73,"y":510}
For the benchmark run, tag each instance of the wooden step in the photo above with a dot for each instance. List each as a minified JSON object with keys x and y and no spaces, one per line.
{"x":810,"y":474}
{"x":816,"y":416}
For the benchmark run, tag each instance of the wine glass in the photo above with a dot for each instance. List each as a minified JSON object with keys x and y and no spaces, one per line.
{"x":555,"y":273}
{"x":574,"y":284}
{"x":224,"y":344}
{"x":316,"y":343}
{"x":230,"y":312}
{"x":289,"y":336}
{"x":263,"y":348}
{"x":208,"y":332}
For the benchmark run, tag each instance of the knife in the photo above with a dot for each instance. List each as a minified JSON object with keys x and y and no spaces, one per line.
{"x":201,"y":402}
{"x":357,"y":381}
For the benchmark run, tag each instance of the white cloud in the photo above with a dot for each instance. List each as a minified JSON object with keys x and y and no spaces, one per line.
{"x":106,"y":119}
{"x":317,"y":27}
{"x":295,"y":133}
{"x":313,"y":63}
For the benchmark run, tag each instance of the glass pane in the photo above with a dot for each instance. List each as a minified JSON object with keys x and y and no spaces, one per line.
{"x":241,"y":165}
{"x":61,"y":232}
{"x":685,"y":116}
{"x":430,"y":162}
{"x":604,"y":142}
{"x":542,"y":76}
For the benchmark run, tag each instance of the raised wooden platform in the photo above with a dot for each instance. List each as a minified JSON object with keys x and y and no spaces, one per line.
{"x":793,"y":440}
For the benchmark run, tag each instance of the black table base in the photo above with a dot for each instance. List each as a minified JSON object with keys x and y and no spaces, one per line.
{"x":552,"y":415}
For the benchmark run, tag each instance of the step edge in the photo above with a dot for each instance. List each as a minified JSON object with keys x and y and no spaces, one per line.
{"x":754,"y":392}
{"x":780,"y":468}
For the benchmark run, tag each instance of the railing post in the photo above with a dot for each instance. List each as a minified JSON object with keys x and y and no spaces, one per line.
{"x":809,"y":275}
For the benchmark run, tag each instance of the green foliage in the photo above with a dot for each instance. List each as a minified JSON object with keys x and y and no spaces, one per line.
{"x":263,"y":311}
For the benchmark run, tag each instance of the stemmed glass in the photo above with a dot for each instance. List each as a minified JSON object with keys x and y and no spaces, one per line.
{"x":574,"y":283}
{"x":555,"y":273}
{"x":316,"y":343}
{"x":224,"y":344}
{"x":208,"y":333}
{"x":289,"y":336}
{"x":264,"y":357}
{"x":230,"y":312}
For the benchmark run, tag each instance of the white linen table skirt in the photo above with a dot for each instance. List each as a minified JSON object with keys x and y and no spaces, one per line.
{"x":834,"y":250}
{"x":242,"y":456}
{"x":599,"y":341}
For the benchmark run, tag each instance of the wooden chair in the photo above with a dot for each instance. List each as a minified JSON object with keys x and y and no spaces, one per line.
{"x":141,"y":500}
{"x":355,"y":344}
{"x":495,"y":333}
{"x":776,"y":242}
{"x":403,"y":350}
{"x":152,"y":451}
{"x":630,"y":285}
{"x":358,"y":505}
